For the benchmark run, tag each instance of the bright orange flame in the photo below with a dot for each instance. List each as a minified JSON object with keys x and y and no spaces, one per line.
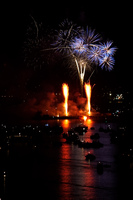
{"x":65,"y":89}
{"x":88,"y":94}
{"x":84,"y":118}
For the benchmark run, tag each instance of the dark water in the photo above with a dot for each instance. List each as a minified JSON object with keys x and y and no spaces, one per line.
{"x":51,"y":172}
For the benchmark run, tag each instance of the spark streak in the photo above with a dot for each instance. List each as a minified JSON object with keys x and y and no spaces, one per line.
{"x":65,"y":89}
{"x":88,"y":94}
{"x":81,"y":67}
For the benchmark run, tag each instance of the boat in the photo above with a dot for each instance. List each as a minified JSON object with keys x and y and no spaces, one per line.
{"x":92,"y":128}
{"x":94,"y":144}
{"x":90,"y":156}
{"x":95,"y":136}
{"x":72,"y":137}
{"x":81,"y":129}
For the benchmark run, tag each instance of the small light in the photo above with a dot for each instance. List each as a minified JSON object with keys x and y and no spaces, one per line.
{"x":4,"y":174}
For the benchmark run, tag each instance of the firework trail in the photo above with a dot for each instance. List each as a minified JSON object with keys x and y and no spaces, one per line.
{"x":65,"y":89}
{"x":37,"y":38}
{"x":81,"y":68}
{"x":88,"y":95}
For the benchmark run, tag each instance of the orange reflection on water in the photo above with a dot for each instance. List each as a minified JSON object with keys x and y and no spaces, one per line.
{"x":76,"y":173}
{"x":89,"y":122}
{"x":65,"y":171}
{"x":65,"y":124}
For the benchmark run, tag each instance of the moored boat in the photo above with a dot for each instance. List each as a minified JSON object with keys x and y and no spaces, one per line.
{"x":90,"y":156}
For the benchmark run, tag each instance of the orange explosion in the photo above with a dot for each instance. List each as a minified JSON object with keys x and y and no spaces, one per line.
{"x":65,"y":89}
{"x":88,"y":94}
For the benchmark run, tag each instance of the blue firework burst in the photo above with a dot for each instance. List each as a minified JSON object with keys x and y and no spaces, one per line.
{"x":66,"y":33}
{"x":107,"y":62}
{"x":91,"y":37}
{"x":84,"y":44}
{"x":107,"y":48}
{"x":78,"y":46}
{"x":94,"y":54}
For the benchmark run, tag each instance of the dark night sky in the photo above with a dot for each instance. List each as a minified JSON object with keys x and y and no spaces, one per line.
{"x":111,"y":20}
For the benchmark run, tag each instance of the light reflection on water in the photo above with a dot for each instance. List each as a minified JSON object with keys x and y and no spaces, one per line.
{"x":65,"y":124}
{"x":79,"y":178}
{"x":76,"y":174}
{"x":62,"y":172}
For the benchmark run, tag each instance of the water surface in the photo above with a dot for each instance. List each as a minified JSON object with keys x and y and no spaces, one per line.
{"x":62,"y":172}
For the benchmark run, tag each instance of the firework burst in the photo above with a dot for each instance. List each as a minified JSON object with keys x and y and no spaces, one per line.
{"x":78,"y":46}
{"x":107,"y":62}
{"x":67,"y":31}
{"x":91,"y":37}
{"x":94,"y":54}
{"x":81,"y":48}
{"x":85,"y":48}
{"x":107,"y":48}
{"x":37,"y":38}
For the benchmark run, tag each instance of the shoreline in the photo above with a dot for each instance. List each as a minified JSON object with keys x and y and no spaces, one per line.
{"x":107,"y":117}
